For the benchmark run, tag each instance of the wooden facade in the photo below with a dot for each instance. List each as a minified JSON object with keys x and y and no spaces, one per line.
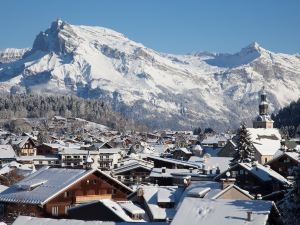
{"x":248,"y":181}
{"x":27,"y":149}
{"x":45,"y":149}
{"x":284,"y":165}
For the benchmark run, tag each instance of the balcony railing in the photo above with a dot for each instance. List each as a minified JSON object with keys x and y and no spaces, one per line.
{"x":88,"y":198}
{"x":72,"y":160}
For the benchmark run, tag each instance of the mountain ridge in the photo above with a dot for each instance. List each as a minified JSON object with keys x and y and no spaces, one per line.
{"x":159,"y":89}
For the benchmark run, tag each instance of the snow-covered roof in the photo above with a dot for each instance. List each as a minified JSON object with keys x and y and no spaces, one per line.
{"x":212,"y":162}
{"x":152,"y":198}
{"x":131,"y":207}
{"x":293,"y":155}
{"x":264,"y":173}
{"x":213,"y":139}
{"x":26,"y":220}
{"x":265,"y":140}
{"x":173,"y":161}
{"x":7,"y":152}
{"x":76,"y":151}
{"x":20,"y":141}
{"x":264,"y":133}
{"x":267,"y":146}
{"x":185,"y":150}
{"x":226,"y":212}
{"x":131,"y":166}
{"x":37,"y":157}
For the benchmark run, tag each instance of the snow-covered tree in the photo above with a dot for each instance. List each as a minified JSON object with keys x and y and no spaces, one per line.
{"x":289,"y":206}
{"x":244,"y":151}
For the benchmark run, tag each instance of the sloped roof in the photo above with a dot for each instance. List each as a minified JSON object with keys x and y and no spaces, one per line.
{"x":226,"y":212}
{"x":7,"y":152}
{"x":46,"y":183}
{"x":131,"y":166}
{"x":168,"y":193}
{"x":293,"y":155}
{"x":27,"y":220}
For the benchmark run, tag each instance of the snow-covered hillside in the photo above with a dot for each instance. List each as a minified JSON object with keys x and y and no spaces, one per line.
{"x":161,"y":90}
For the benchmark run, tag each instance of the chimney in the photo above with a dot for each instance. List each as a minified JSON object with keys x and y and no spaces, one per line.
{"x":258,"y":197}
{"x":218,"y":171}
{"x":249,"y":216}
{"x":227,"y":182}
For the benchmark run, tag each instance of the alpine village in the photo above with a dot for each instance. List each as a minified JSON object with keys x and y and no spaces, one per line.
{"x":154,"y":118}
{"x":57,"y":175}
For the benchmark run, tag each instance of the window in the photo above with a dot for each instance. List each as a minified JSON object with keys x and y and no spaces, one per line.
{"x":241,"y":172}
{"x":266,"y":160}
{"x":113,"y":191}
{"x":66,"y":209}
{"x":233,"y":173}
{"x":66,"y":194}
{"x":94,"y":181}
{"x":87,"y":181}
{"x":54,"y":210}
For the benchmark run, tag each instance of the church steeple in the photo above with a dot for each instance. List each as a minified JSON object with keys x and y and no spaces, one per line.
{"x":263,"y":120}
{"x":263,"y":106}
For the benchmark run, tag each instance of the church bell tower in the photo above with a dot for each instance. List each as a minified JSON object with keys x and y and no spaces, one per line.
{"x":263,"y":120}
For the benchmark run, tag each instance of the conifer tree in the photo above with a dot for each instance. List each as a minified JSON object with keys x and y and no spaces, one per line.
{"x":244,"y":151}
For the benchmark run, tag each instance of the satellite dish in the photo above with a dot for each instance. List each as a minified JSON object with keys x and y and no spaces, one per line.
{"x":228,"y":174}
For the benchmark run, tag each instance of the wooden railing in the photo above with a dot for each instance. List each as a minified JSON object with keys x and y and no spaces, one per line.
{"x":88,"y":198}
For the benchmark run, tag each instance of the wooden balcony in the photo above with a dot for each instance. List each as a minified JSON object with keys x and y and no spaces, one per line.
{"x":88,"y":198}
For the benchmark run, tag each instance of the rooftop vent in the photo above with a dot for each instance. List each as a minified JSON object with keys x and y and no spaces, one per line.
{"x":30,"y":185}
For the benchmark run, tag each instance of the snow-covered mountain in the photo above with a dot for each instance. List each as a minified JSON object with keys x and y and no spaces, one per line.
{"x":161,"y":90}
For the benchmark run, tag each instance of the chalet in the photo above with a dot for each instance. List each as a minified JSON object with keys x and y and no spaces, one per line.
{"x":72,"y":157}
{"x":160,"y":162}
{"x":215,"y":141}
{"x":108,"y":158}
{"x":50,"y":192}
{"x":228,"y":150}
{"x":179,"y":177}
{"x":182,"y":154}
{"x":39,"y":161}
{"x":255,"y":178}
{"x":201,"y":169}
{"x":121,"y":211}
{"x":24,"y":146}
{"x":132,"y":171}
{"x":48,"y":148}
{"x":284,"y":162}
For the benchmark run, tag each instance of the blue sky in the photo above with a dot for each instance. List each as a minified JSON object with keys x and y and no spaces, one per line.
{"x":171,"y":26}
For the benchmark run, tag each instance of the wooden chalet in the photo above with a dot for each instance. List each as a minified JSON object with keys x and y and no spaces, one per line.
{"x":285,"y":162}
{"x":50,"y":192}
{"x":132,"y":171}
{"x":255,"y":178}
{"x":24,"y":146}
{"x":182,"y":154}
